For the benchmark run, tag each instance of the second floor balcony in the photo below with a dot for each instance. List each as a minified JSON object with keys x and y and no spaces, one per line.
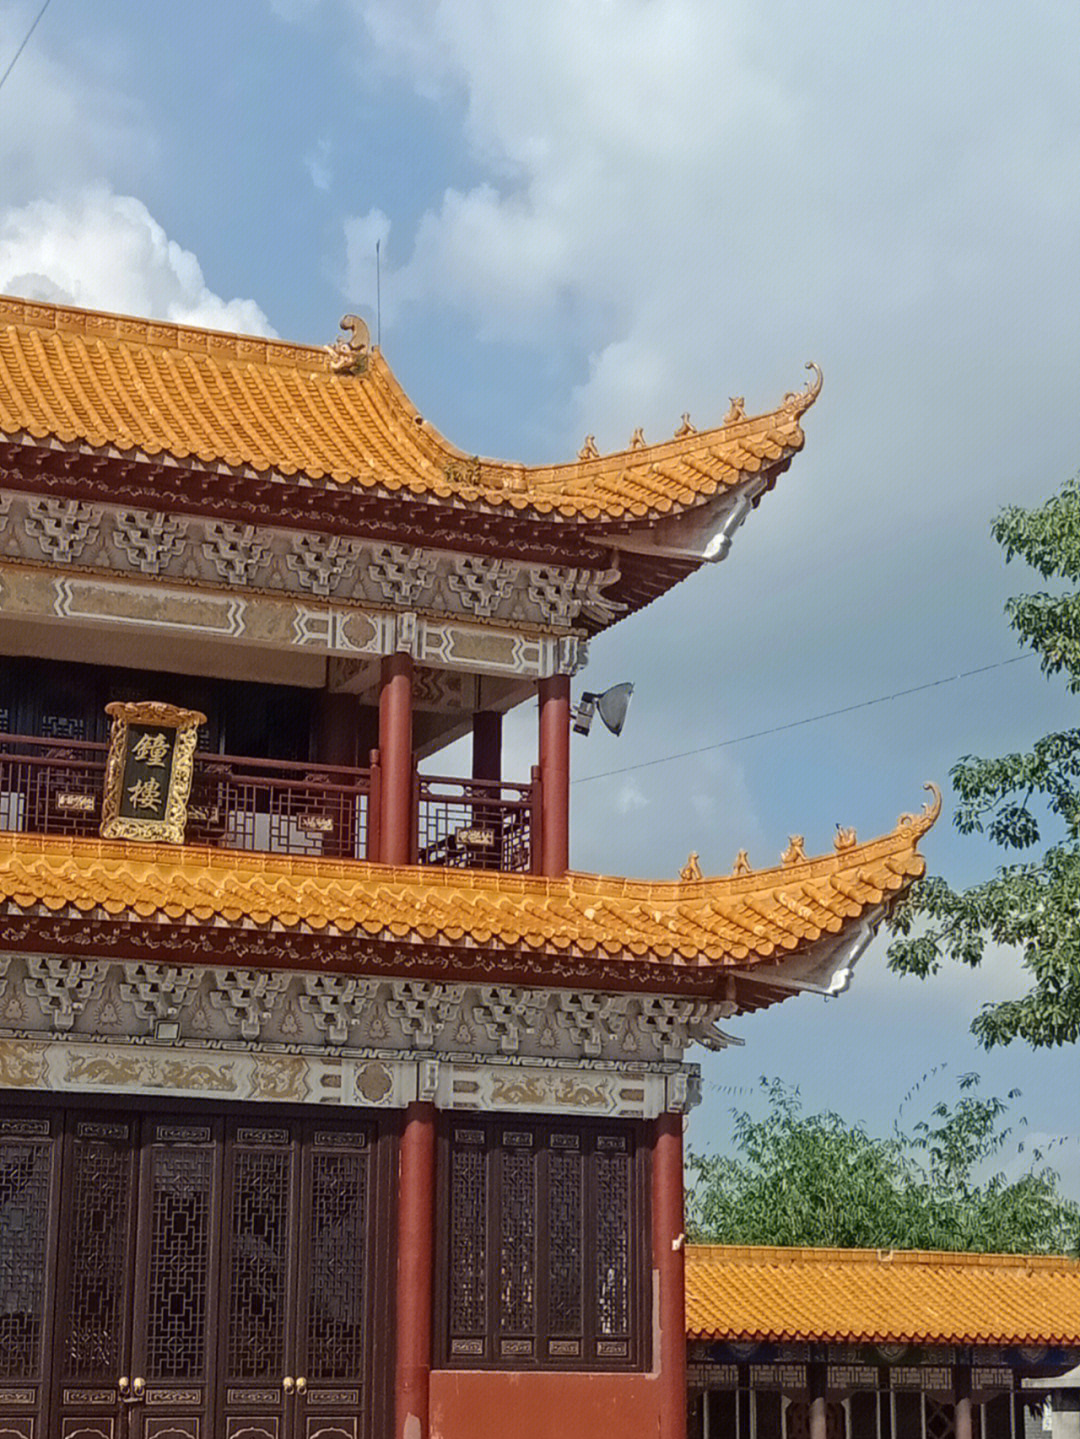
{"x":55,"y":787}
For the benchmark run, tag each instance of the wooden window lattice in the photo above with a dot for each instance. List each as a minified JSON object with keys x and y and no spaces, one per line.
{"x":540,"y":1246}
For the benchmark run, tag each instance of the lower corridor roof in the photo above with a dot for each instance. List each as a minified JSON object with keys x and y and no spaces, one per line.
{"x":852,"y":1296}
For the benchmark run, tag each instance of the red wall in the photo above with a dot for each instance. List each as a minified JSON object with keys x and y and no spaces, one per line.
{"x":480,"y":1404}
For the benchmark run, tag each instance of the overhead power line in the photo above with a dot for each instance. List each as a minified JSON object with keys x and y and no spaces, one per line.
{"x":25,"y":42}
{"x":808,"y":719}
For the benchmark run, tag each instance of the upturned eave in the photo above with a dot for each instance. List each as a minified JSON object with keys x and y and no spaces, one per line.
{"x":735,"y":937}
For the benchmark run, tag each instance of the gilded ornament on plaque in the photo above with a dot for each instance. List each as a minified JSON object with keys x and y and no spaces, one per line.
{"x":149,"y":770}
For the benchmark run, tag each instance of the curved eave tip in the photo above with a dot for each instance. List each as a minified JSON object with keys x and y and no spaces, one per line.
{"x":799,"y":401}
{"x":917,"y":824}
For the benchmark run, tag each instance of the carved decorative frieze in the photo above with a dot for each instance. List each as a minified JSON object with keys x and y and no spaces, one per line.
{"x":509,"y":1085}
{"x":61,"y":528}
{"x":591,"y":1018}
{"x":508,"y":1014}
{"x":237,"y":552}
{"x":561,"y":594}
{"x":150,"y":540}
{"x":247,"y":997}
{"x":320,"y":562}
{"x":63,"y":987}
{"x":674,"y":1023}
{"x":303,"y":1011}
{"x":482,"y":584}
{"x":336,"y":1003}
{"x":249,"y":583}
{"x":422,"y":1010}
{"x":402,"y":577}
{"x":156,"y":992}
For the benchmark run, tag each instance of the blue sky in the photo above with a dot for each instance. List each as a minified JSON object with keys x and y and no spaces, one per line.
{"x":597,"y":216}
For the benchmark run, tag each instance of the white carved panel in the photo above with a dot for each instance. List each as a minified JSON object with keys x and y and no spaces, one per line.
{"x":63,"y":987}
{"x":150,"y":540}
{"x":62,"y":528}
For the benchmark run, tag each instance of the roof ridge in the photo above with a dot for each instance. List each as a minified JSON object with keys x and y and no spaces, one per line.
{"x":148,"y":330}
{"x":775,"y":1253}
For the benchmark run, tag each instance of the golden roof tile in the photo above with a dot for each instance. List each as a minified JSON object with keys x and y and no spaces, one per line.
{"x":80,"y":376}
{"x":739,"y":921}
{"x":866,"y":1296}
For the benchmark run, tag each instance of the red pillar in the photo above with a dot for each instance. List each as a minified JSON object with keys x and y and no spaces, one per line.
{"x":487,"y":745}
{"x":669,"y":1264}
{"x":555,"y":775}
{"x":416,"y":1225}
{"x":395,"y":749}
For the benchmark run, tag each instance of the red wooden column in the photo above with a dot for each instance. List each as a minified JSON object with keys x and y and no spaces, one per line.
{"x":416,"y":1227}
{"x":395,"y":750}
{"x":669,"y":1264}
{"x":555,"y":775}
{"x":487,"y":745}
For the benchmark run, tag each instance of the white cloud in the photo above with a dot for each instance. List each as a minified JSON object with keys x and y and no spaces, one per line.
{"x":317,"y":164}
{"x":603,"y":130}
{"x":108,"y":252}
{"x":699,"y":197}
{"x":362,"y":234}
{"x":61,"y":122}
{"x":630,"y":798}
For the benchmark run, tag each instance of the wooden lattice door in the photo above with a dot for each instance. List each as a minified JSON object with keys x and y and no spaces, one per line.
{"x":298,"y":1244}
{"x":163,"y":1277}
{"x":29,"y":1167}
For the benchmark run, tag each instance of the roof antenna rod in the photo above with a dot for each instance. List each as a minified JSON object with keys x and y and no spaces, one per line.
{"x":378,"y":294}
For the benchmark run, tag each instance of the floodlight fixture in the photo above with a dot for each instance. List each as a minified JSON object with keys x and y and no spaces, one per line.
{"x":611,"y":706}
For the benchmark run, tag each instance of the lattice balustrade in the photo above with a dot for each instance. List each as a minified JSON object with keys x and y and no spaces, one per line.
{"x":52,"y":784}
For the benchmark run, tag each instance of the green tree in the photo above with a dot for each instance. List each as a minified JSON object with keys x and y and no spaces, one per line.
{"x":815,"y":1179}
{"x":1032,"y":904}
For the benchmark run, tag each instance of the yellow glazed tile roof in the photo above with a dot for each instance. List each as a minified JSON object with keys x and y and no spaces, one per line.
{"x":80,"y":376}
{"x":852,"y":1296}
{"x":748,"y":918}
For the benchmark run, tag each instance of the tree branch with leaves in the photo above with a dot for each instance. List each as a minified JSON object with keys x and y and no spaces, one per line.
{"x":819,"y":1180}
{"x":1032,"y":904}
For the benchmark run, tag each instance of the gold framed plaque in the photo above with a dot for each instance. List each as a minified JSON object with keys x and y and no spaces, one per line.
{"x":148,"y":771}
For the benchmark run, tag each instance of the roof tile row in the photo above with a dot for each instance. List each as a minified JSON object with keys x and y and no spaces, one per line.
{"x":104,"y":380}
{"x":736,"y":920}
{"x":851,"y":1296}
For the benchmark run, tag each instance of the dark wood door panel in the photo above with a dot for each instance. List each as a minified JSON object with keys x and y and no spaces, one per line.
{"x":96,"y":1257}
{"x":211,"y":1276}
{"x":259,"y":1278}
{"x":333,"y":1341}
{"x":29,"y":1193}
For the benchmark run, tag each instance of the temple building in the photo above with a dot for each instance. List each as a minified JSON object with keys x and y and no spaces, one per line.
{"x":333,"y":1104}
